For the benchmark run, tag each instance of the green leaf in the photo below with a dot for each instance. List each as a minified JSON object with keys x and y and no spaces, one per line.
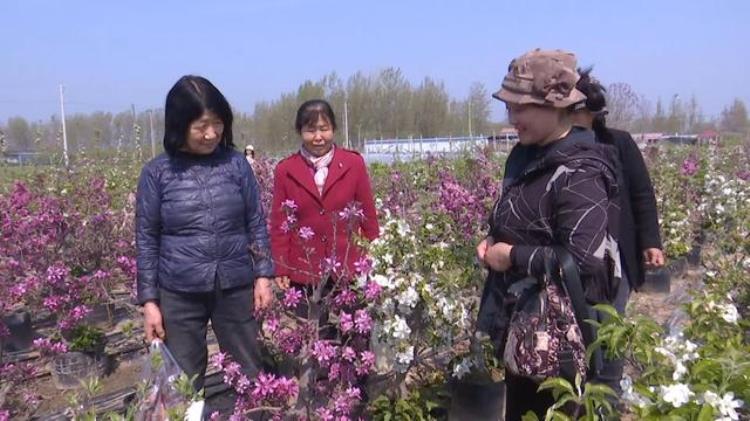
{"x":529,"y":416}
{"x":706,"y":414}
{"x":557,"y":383}
{"x":599,"y":389}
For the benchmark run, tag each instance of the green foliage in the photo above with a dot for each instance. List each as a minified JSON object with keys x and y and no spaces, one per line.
{"x":416,"y":406}
{"x":86,"y":338}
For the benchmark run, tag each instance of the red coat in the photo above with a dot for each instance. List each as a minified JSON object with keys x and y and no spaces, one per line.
{"x":347,"y":182}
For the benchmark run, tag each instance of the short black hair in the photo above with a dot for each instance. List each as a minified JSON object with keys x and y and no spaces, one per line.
{"x":186,"y":102}
{"x":310,"y":111}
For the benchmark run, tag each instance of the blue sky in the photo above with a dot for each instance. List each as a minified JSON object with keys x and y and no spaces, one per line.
{"x":111,"y":54}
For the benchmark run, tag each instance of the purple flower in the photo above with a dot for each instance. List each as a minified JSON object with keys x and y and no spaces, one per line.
{"x":330,"y":265}
{"x":47,"y":346}
{"x":346,"y":297}
{"x":289,"y":205}
{"x":306,"y":233}
{"x":363,"y":266}
{"x":352,"y":212}
{"x":323,"y":352}
{"x":366,"y":363}
{"x":325,"y":414}
{"x":53,"y":303}
{"x":349,"y":354}
{"x":57,"y":273}
{"x":271,"y":324}
{"x":346,"y":322}
{"x":744,"y":175}
{"x":689,"y":166}
{"x":218,"y":360}
{"x":372,"y":290}
{"x":292,"y":298}
{"x":362,"y":321}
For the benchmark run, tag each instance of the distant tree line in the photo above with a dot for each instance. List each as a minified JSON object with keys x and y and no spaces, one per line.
{"x":381,"y":105}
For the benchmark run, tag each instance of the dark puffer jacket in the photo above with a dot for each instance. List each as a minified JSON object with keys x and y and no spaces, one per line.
{"x":199,"y":225}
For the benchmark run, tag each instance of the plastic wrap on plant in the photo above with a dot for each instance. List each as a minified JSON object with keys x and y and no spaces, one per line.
{"x":160,"y":372}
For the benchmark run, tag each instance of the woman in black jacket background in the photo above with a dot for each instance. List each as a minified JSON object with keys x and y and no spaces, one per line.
{"x":639,"y":238}
{"x":640,"y":241}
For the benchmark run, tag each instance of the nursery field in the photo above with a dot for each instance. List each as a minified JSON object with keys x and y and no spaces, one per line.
{"x":72,"y":339}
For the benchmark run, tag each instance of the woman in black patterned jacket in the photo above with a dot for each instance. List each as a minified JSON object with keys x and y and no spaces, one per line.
{"x":560,"y":189}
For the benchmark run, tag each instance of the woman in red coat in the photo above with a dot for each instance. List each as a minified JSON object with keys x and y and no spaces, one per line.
{"x":314,"y":190}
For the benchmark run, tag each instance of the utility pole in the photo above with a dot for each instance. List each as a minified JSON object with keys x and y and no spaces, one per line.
{"x":64,"y":129}
{"x":346,"y":123}
{"x":470,"y":134}
{"x":151,"y":126}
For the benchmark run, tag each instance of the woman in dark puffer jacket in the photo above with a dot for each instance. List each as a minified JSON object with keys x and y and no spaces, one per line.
{"x":202,"y":242}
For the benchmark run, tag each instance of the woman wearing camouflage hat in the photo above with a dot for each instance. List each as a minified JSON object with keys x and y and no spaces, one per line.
{"x":559,"y":189}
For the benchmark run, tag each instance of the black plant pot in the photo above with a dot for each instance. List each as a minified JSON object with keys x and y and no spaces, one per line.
{"x":70,"y":369}
{"x":657,"y":280}
{"x":694,"y":256}
{"x":21,"y":332}
{"x":477,"y":400}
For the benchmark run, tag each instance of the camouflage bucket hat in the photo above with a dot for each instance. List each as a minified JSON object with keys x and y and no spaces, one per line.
{"x":543,"y":78}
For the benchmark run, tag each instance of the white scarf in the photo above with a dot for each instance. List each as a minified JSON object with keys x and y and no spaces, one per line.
{"x":320,"y":163}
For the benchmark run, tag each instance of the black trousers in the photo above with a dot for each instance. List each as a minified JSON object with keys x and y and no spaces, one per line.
{"x":186,"y":317}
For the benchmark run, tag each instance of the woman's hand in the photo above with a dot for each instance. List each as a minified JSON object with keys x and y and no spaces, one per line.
{"x":153,"y":325}
{"x":497,"y":256}
{"x":482,"y":250}
{"x":282,"y":282}
{"x":262,"y":293}
{"x":653,"y":258}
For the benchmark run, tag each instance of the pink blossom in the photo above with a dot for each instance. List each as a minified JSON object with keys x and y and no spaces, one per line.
{"x":57,"y":273}
{"x":325,"y":414}
{"x":689,"y":166}
{"x":292,"y":298}
{"x":363,"y":265}
{"x":323,"y":352}
{"x":372,"y":290}
{"x":346,"y":297}
{"x":330,"y":265}
{"x":218,"y":360}
{"x":271,"y":324}
{"x":346,"y":322}
{"x":366,"y":363}
{"x":53,"y":303}
{"x":362,"y":321}
{"x":76,"y":315}
{"x":306,"y":233}
{"x":47,"y":346}
{"x":289,"y":205}
{"x":352,"y":212}
{"x":349,"y":354}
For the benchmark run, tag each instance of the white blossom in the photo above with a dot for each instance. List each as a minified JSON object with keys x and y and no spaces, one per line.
{"x":407,"y":299}
{"x":676,"y":394}
{"x":398,"y":328}
{"x":729,"y":313}
{"x":463,"y":368}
